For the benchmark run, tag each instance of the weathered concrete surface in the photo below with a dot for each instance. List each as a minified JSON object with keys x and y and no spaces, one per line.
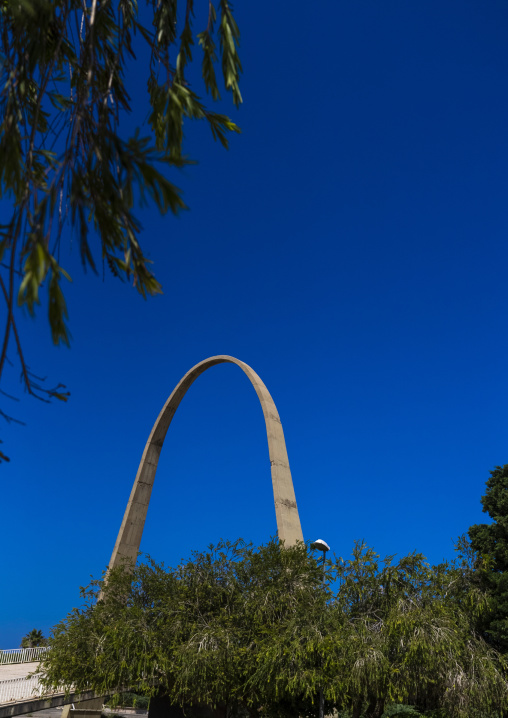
{"x":17,"y":670}
{"x":9,"y":710}
{"x":84,"y":713}
{"x":92,"y":704}
{"x":286,"y":511}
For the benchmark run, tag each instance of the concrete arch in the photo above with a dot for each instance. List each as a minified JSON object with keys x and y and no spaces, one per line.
{"x":286,"y":511}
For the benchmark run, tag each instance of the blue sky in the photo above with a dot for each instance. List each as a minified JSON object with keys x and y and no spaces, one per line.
{"x":352,"y":248}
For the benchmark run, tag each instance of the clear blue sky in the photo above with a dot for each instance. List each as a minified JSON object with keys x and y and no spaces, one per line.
{"x":352,"y":248}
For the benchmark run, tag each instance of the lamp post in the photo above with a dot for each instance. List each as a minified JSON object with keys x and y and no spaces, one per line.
{"x":321,"y":545}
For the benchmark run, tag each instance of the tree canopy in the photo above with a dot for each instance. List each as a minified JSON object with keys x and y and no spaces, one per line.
{"x":33,"y":639}
{"x":490,"y":542}
{"x":67,"y":159}
{"x":259,"y":630}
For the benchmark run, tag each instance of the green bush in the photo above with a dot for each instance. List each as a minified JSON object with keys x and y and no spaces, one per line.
{"x":401,"y":711}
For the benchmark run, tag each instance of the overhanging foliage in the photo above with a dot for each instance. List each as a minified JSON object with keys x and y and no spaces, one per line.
{"x":66,"y":158}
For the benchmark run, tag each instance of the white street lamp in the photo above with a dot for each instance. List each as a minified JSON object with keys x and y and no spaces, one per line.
{"x":321,"y":545}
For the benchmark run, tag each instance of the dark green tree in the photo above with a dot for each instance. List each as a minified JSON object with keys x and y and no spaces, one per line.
{"x":490,"y":542}
{"x":67,"y":158}
{"x":257,"y":631}
{"x":33,"y":639}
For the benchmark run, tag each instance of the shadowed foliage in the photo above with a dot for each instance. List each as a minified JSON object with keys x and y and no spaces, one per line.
{"x":490,"y":542}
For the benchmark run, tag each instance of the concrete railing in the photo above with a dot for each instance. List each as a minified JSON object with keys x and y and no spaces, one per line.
{"x":22,"y":655}
{"x":22,"y":689}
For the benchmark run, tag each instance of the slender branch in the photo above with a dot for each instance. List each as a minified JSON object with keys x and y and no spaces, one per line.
{"x":90,"y":39}
{"x":7,"y":331}
{"x":116,"y":63}
{"x":209,"y":26}
{"x":24,"y":370}
{"x":9,"y":296}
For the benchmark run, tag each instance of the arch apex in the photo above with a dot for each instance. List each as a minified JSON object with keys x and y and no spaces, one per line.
{"x":286,"y":511}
